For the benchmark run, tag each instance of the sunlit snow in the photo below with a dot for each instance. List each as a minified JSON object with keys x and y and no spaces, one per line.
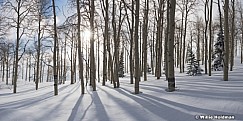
{"x":195,"y":96}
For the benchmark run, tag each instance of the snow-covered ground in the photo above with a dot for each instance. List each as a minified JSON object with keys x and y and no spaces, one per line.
{"x":195,"y":96}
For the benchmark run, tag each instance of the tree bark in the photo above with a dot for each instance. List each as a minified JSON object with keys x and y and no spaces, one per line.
{"x":137,"y":69}
{"x":206,"y":15}
{"x":98,"y":55}
{"x":198,"y":37}
{"x":80,"y":53}
{"x":64,"y":66}
{"x":38,"y":52}
{"x":203,"y":52}
{"x":159,"y":40}
{"x":131,"y":30}
{"x":92,"y":58}
{"x":210,"y":39}
{"x":26,"y":69}
{"x":7,"y":64}
{"x":232,"y":36}
{"x":30,"y":65}
{"x":166,"y":44}
{"x":220,"y":17}
{"x":145,"y":37}
{"x":226,"y":40}
{"x":105,"y":42}
{"x":184,"y":36}
{"x":181,"y":40}
{"x":55,"y":50}
{"x":171,"y":71}
{"x":132,"y":46}
{"x":17,"y":48}
{"x":241,"y":50}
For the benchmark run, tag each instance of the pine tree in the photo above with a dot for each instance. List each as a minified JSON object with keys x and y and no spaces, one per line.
{"x":121,"y":65}
{"x":193,"y":66}
{"x":218,"y":53}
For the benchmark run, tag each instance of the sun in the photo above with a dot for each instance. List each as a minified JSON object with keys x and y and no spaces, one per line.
{"x":87,"y":34}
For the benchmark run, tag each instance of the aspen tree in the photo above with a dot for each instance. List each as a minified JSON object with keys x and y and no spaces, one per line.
{"x":80,"y":53}
{"x":55,"y":73}
{"x":136,"y":37}
{"x":171,"y":71}
{"x":226,"y":40}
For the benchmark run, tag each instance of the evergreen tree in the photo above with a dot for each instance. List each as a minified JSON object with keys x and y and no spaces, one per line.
{"x":193,"y":66}
{"x":218,"y":53}
{"x":121,"y":65}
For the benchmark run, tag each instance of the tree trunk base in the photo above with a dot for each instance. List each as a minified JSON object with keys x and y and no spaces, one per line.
{"x":171,"y":85}
{"x":137,"y":92}
{"x":170,"y":90}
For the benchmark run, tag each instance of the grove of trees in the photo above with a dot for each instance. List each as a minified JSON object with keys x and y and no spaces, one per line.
{"x":41,"y":41}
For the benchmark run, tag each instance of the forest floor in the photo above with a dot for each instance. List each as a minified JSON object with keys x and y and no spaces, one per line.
{"x":195,"y":98}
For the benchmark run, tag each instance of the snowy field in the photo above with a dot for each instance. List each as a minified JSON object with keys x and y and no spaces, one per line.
{"x":195,"y":97}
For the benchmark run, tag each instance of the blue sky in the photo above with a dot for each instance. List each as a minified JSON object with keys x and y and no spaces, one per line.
{"x":61,"y":2}
{"x":62,"y":6}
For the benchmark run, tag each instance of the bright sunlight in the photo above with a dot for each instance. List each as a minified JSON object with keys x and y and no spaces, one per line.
{"x":86,"y":34}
